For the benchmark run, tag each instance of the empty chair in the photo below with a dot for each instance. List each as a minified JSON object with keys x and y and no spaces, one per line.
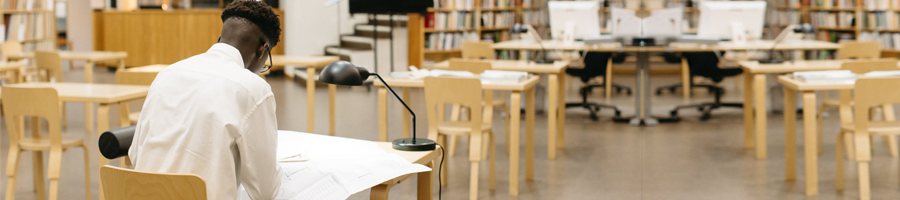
{"x":475,"y":67}
{"x":478,"y":50}
{"x":19,"y":102}
{"x":440,"y":91}
{"x":126,"y":184}
{"x":596,"y":64}
{"x":706,"y":64}
{"x":134,"y":78}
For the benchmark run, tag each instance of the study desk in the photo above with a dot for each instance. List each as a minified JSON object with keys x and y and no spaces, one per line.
{"x":105,"y":94}
{"x":312,"y":63}
{"x":810,"y":134}
{"x":91,"y":57}
{"x":642,"y":96}
{"x":516,"y":90}
{"x":15,"y":68}
{"x":556,"y":95}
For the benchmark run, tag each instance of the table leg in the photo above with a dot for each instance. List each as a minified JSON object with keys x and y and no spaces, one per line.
{"x":685,"y":81}
{"x":748,"y":110}
{"x":102,"y":125}
{"x":382,"y":114}
{"x":552,"y":102}
{"x":89,"y":117}
{"x":561,"y":106}
{"x":515,"y":111}
{"x":121,"y":66}
{"x":790,"y":135}
{"x":332,"y":89}
{"x":89,"y":71}
{"x":406,"y":117}
{"x":759,"y":90}
{"x":379,"y":192}
{"x":310,"y":99}
{"x":529,"y":134}
{"x":423,"y":182}
{"x":810,"y":151}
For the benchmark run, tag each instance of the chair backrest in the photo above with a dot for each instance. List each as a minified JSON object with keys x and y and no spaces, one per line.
{"x":865,"y":66}
{"x":440,"y":91}
{"x":10,"y":47}
{"x":859,"y":50}
{"x":478,"y":50}
{"x":19,"y":102}
{"x":49,"y":61}
{"x":125,"y":77}
{"x":120,"y":184}
{"x":474,"y":66}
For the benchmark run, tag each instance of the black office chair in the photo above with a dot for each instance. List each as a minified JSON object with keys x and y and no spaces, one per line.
{"x":595,"y":64}
{"x":706,"y":64}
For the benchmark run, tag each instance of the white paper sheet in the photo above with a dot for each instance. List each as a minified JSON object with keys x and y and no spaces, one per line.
{"x":338,"y":167}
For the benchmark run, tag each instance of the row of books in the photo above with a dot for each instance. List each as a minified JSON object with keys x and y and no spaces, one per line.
{"x":888,"y":40}
{"x":454,"y":4}
{"x":834,"y":36}
{"x":881,"y":4}
{"x":832,"y":19}
{"x":497,"y":36}
{"x":27,"y":4}
{"x":28,"y":27}
{"x":534,"y":17}
{"x":784,"y":17}
{"x":490,"y":4}
{"x":498,"y":19}
{"x":833,"y":3}
{"x":881,"y":20}
{"x":448,"y":41}
{"x":450,"y":20}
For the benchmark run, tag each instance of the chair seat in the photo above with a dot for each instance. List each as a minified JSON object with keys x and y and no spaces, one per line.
{"x":459,"y":128}
{"x":43,"y":143}
{"x":879,"y":127}
{"x":134,"y":117}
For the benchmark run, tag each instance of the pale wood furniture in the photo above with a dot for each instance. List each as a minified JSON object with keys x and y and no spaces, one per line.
{"x":556,"y":97}
{"x":526,"y":86}
{"x":476,"y":67}
{"x":90,"y":57}
{"x":49,"y":69}
{"x":130,"y":184}
{"x":38,"y":102}
{"x":138,"y":76}
{"x":467,"y":92}
{"x":157,"y":36}
{"x":13,"y":71}
{"x":10,"y":47}
{"x":477,"y":50}
{"x":312,"y":63}
{"x":868,"y":92}
{"x":104,"y":94}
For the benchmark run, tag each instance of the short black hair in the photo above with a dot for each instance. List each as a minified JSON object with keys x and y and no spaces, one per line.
{"x":260,"y":14}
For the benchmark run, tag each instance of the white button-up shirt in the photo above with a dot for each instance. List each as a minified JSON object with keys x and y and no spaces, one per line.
{"x":208,"y":115}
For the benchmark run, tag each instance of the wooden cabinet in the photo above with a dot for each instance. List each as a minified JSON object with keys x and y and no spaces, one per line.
{"x":161,"y":37}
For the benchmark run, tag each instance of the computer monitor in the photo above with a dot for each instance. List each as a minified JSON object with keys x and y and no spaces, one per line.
{"x":718,"y":17}
{"x":579,"y":19}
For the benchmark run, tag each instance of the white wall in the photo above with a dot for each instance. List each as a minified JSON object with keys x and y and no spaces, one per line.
{"x":80,"y":24}
{"x":310,"y":26}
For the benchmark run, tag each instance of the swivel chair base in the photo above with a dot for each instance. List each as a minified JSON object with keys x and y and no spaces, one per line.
{"x":707,"y":108}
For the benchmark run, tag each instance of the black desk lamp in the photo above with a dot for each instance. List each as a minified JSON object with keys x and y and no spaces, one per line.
{"x":345,"y":73}
{"x":803,"y":28}
{"x":524,"y":28}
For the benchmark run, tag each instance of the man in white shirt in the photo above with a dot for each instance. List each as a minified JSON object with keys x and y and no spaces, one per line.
{"x":212,"y":115}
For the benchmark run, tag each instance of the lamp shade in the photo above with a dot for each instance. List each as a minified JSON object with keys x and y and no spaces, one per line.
{"x":343,"y":73}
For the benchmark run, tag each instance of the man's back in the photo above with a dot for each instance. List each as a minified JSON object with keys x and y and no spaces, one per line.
{"x":209,"y":116}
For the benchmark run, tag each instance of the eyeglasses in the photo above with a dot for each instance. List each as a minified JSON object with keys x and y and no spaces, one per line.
{"x":269,"y":66}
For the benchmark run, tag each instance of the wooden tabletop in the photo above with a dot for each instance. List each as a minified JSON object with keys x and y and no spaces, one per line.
{"x":674,"y":47}
{"x":792,"y":66}
{"x":11,"y":65}
{"x":148,"y":68}
{"x":556,"y":67}
{"x":311,"y":61}
{"x":414,"y":82}
{"x":91,"y":92}
{"x":790,"y":82}
{"x":81,"y":55}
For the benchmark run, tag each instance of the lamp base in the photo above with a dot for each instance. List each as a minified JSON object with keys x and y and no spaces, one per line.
{"x":543,"y":61}
{"x":420,"y":144}
{"x":771,"y":61}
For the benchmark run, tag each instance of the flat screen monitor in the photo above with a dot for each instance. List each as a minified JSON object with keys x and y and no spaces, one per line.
{"x":581,"y":18}
{"x":390,"y":6}
{"x":717,"y":18}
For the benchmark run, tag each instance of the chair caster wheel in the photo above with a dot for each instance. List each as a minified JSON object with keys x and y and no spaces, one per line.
{"x":594,"y":117}
{"x":628,"y":92}
{"x":700,"y":109}
{"x":672,"y":90}
{"x":618,"y":113}
{"x":658,"y":92}
{"x":706,"y":116}
{"x":673,"y":113}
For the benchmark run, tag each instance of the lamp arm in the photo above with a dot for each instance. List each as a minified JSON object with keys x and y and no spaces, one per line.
{"x":401,"y":102}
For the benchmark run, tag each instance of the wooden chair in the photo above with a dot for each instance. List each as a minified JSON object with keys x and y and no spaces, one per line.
{"x":859,"y":50}
{"x":862,"y":67}
{"x":120,"y":184}
{"x":49,"y":69}
{"x":475,"y":67}
{"x":868,"y":92}
{"x":478,"y":50}
{"x":134,"y":78}
{"x":19,"y":102}
{"x":7,"y":48}
{"x":467,"y":92}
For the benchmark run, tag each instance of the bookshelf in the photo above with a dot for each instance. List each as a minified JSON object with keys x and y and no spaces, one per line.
{"x":438,"y":34}
{"x":31,"y":22}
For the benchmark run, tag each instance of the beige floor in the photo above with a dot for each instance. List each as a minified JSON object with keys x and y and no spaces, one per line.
{"x":602,"y":160}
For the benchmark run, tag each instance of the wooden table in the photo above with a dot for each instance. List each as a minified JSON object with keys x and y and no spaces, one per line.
{"x":312,"y":63}
{"x":423,"y":179}
{"x":516,"y":90}
{"x":91,"y":57}
{"x":105,"y":94}
{"x":148,"y":68}
{"x":15,"y":68}
{"x":556,"y":96}
{"x":810,"y":134}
